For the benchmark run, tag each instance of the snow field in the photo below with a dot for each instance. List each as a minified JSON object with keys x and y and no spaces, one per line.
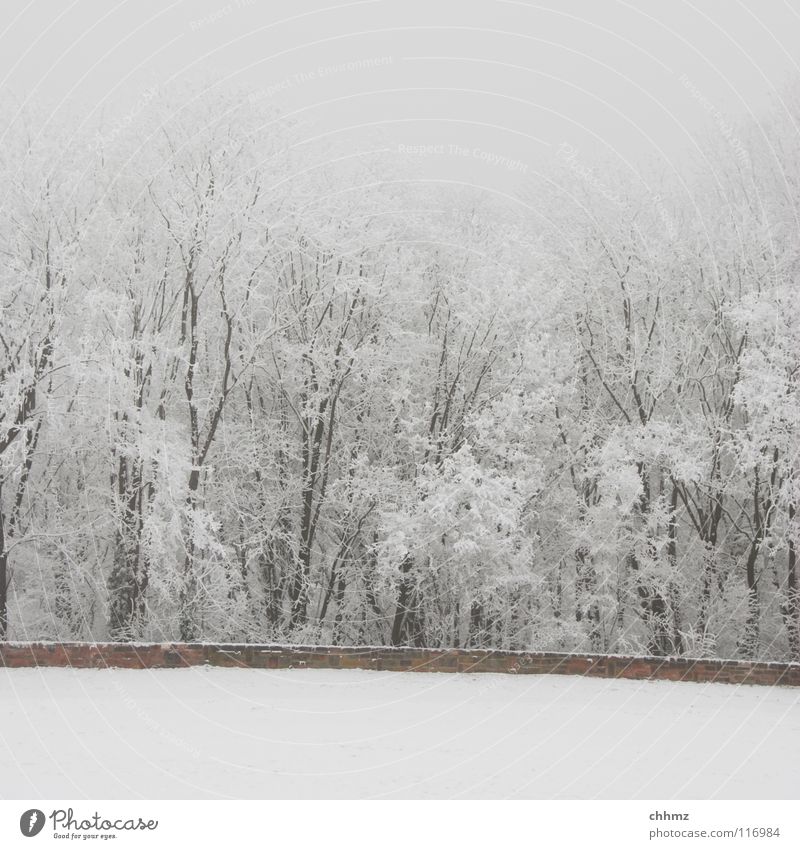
{"x":229,"y":733}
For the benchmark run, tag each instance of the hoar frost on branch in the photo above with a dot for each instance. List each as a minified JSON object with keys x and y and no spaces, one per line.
{"x":246,"y":395}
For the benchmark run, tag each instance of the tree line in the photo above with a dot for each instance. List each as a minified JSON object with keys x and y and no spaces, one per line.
{"x":250,"y":395}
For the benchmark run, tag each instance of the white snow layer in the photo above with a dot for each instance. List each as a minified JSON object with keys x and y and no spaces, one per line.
{"x":230,"y":733}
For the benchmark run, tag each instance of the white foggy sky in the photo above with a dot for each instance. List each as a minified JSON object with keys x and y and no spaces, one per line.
{"x":513,"y":79}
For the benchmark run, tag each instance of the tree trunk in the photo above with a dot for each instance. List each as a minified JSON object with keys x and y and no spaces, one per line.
{"x":3,"y":571}
{"x":404,"y":596}
{"x":792,"y":615}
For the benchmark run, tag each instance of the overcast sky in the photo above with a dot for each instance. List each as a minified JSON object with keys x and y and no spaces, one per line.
{"x":496,"y":86}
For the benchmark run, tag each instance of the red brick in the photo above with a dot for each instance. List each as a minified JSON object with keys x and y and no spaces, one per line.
{"x":396,"y":659}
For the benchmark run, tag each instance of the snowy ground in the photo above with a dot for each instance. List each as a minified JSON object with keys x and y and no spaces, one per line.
{"x":203,"y":732}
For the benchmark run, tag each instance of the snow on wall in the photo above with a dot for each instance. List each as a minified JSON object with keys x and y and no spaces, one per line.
{"x":399,"y":659}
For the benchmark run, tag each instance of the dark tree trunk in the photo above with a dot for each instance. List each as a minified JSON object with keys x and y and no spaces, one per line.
{"x":3,"y":571}
{"x":672,"y":554}
{"x":129,"y":578}
{"x":792,"y":614}
{"x":476,"y":627}
{"x":404,"y":597}
{"x":586,"y":587}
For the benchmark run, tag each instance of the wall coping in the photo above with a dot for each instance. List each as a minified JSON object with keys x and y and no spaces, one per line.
{"x":141,"y":655}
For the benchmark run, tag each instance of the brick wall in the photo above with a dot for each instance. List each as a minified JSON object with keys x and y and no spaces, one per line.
{"x":174,"y":655}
